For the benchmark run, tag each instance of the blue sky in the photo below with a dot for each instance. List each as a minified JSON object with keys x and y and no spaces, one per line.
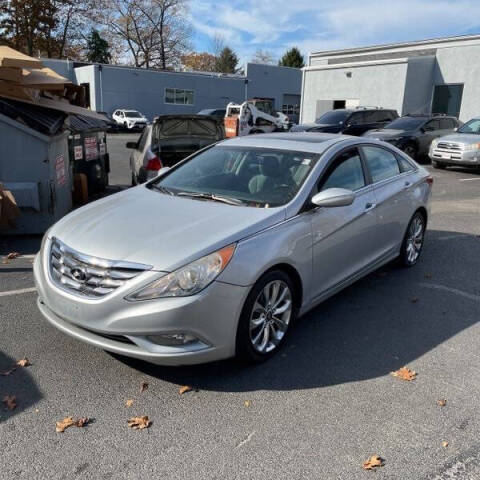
{"x":312,"y":25}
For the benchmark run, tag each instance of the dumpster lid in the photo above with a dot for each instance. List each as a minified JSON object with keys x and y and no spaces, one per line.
{"x":82,"y":123}
{"x":41,"y":119}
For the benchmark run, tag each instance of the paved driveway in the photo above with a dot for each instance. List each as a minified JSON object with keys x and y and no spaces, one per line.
{"x":316,"y":411}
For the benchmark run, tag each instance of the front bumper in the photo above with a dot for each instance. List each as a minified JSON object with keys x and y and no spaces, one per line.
{"x":122,"y":327}
{"x":455,"y":157}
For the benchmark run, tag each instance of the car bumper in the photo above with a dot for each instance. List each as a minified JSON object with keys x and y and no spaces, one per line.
{"x":123,"y":327}
{"x":470,"y":158}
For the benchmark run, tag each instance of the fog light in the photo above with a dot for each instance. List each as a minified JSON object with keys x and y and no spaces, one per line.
{"x":173,"y":340}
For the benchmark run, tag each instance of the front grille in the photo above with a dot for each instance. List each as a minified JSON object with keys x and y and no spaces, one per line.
{"x":117,"y":338}
{"x":456,"y":147}
{"x":86,"y":275}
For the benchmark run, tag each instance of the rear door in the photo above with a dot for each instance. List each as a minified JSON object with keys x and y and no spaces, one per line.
{"x":343,"y":237}
{"x":393,"y":185}
{"x":431,"y":130}
{"x":355,"y":125}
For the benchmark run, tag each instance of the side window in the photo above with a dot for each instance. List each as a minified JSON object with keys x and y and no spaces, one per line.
{"x":447,"y":123}
{"x":357,"y":118}
{"x":142,"y":140}
{"x":115,"y":112}
{"x":405,"y":165}
{"x":346,"y":171}
{"x":383,"y":116}
{"x":381,"y":163}
{"x":432,"y":125}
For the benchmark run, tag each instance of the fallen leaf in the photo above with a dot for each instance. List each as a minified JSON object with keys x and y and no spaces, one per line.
{"x":139,"y":423}
{"x":129,"y":403}
{"x":24,"y":362}
{"x":63,"y":424}
{"x":184,"y":389}
{"x":143,"y":386}
{"x":37,"y":410}
{"x":12,"y":255}
{"x":69,"y":422}
{"x":247,"y":403}
{"x":405,"y":373}
{"x":81,"y":422}
{"x":442,"y":402}
{"x":414,"y":300}
{"x":8,"y":372}
{"x":373,"y":462}
{"x":10,"y":402}
{"x":444,"y":444}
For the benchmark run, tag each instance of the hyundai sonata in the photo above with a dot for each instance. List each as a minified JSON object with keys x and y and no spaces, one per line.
{"x":220,"y":254}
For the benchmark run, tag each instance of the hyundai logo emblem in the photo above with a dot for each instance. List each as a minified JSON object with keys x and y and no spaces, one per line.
{"x":78,"y":274}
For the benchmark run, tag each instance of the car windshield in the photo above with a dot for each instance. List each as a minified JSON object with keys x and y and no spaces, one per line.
{"x":405,"y":123}
{"x":333,"y":117}
{"x":133,"y":114}
{"x":472,"y":126}
{"x":259,"y":177}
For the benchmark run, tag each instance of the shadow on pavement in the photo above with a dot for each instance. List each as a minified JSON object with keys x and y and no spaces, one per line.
{"x":379,"y":324}
{"x":19,"y":384}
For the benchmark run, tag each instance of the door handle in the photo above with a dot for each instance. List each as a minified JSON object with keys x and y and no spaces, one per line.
{"x":370,"y":206}
{"x":407,"y":185}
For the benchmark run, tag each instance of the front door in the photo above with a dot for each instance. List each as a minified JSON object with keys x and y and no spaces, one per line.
{"x":343,"y":237}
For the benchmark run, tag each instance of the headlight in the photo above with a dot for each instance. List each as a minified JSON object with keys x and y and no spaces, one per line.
{"x":434,"y":143}
{"x":471,"y":147}
{"x":187,"y":280}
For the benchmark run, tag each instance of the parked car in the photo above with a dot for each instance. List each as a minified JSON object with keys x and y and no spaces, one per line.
{"x":130,"y":119}
{"x":461,"y":148}
{"x":112,"y":126}
{"x":414,"y":133}
{"x":349,"y":121}
{"x":170,"y":139}
{"x":221,"y":253}
{"x":218,"y":113}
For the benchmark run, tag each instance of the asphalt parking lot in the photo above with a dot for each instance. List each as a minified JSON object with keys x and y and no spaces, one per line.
{"x":317,"y":410}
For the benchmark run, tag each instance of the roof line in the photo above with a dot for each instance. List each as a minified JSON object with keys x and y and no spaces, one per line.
{"x":371,"y":48}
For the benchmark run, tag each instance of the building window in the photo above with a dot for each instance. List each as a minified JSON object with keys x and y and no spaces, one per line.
{"x":288,"y":109}
{"x":179,"y":96}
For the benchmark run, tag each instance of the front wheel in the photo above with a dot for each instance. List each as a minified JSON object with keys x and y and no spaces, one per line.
{"x":440,"y":166}
{"x":266,"y":317}
{"x":412,"y":244}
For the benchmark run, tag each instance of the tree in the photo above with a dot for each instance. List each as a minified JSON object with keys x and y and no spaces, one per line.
{"x":263,"y":56}
{"x":155,"y":32}
{"x":204,"y":62}
{"x":292,"y":58}
{"x":97,"y":48}
{"x":227,"y":61}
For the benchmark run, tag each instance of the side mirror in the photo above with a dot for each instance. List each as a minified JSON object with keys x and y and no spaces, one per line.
{"x":132,"y":145}
{"x":333,"y":197}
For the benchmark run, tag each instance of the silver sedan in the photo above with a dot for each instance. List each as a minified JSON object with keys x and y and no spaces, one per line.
{"x":220,"y":254}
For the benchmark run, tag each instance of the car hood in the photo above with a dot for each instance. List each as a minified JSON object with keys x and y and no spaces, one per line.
{"x":384,"y":134}
{"x":465,"y":138}
{"x":145,"y":226}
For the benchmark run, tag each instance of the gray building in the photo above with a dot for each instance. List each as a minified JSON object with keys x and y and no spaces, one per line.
{"x":156,"y":92}
{"x":430,"y":76}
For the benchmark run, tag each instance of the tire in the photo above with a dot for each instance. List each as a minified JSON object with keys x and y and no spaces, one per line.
{"x":257,"y":317}
{"x":134,"y":180}
{"x":411,"y":150}
{"x":440,"y":166}
{"x":413,"y":240}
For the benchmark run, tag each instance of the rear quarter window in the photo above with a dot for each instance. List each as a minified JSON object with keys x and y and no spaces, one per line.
{"x":381,"y":163}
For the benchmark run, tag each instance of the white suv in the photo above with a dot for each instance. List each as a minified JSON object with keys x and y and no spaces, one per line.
{"x":130,"y":119}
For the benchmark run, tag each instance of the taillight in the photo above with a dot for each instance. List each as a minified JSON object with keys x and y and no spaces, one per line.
{"x":430,"y":180}
{"x":154,"y":164}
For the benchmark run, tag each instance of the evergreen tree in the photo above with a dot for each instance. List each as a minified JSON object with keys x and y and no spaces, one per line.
{"x":97,"y":48}
{"x":227,"y":61}
{"x":292,"y":58}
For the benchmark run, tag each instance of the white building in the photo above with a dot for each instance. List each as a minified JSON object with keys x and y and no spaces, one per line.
{"x":430,"y":76}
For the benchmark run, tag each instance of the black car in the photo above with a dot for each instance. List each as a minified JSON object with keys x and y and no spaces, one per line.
{"x":414,"y":133}
{"x":218,"y":113}
{"x":349,"y":121}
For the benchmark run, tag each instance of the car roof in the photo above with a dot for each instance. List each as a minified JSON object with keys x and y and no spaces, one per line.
{"x":313,"y":142}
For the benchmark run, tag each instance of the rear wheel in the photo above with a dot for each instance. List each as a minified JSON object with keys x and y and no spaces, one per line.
{"x":413,"y":241}
{"x":411,"y":150}
{"x":266,"y":317}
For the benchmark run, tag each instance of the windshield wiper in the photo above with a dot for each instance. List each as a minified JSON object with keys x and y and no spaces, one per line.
{"x":161,"y":189}
{"x":212,"y":196}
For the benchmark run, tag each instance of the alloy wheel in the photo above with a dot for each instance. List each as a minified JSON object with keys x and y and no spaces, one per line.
{"x":270,"y":316}
{"x":415,"y":238}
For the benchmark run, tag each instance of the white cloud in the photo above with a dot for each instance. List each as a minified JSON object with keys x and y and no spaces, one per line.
{"x":275,"y":25}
